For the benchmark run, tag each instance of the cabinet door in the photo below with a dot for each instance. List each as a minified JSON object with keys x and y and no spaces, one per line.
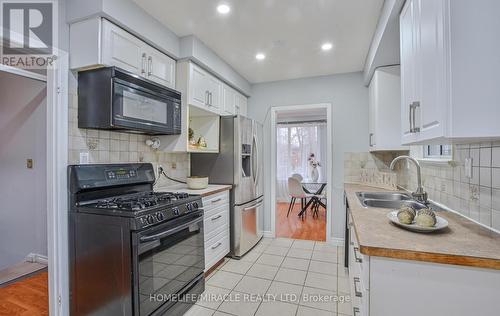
{"x":240,"y":104}
{"x":215,"y":93}
{"x":431,"y":63}
{"x":121,"y":49}
{"x":161,"y":68}
{"x":198,"y":95}
{"x":229,"y":100}
{"x":408,"y":43}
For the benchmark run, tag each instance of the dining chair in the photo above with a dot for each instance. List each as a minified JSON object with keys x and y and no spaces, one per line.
{"x":296,"y":191}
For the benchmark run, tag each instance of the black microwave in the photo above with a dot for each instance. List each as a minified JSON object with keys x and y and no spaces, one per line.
{"x":114,"y":99}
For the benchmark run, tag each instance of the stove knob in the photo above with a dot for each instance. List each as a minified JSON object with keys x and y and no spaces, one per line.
{"x":176,"y":210}
{"x":195,"y":205}
{"x":150,"y":219}
{"x":189,"y":207}
{"x":160,"y":216}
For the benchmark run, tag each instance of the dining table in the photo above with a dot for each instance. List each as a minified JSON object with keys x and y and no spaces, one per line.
{"x":316,"y":189}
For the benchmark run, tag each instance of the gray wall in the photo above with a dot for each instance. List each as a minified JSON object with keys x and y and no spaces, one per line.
{"x":349,"y":99}
{"x":23,"y":228}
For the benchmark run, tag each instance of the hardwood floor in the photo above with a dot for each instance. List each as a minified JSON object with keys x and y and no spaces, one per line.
{"x":28,"y":296}
{"x":311,"y":228}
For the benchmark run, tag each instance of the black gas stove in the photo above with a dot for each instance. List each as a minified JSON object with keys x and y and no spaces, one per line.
{"x":133,"y":251}
{"x":146,"y":208}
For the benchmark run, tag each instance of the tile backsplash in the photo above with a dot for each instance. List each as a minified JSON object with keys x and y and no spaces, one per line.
{"x":116,"y":147}
{"x":477,"y":197}
{"x":371,"y":169}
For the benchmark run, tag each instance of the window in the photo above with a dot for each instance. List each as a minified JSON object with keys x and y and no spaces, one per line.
{"x":443,"y":152}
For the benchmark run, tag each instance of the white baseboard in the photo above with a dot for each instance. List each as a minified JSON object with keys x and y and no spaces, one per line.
{"x":268,"y":234}
{"x":34,"y":257}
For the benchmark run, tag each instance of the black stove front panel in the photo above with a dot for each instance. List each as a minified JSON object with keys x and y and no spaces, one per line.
{"x":101,"y":176}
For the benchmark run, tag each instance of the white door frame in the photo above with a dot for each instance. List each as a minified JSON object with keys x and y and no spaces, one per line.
{"x":57,"y":160}
{"x":329,"y":163}
{"x":57,"y":205}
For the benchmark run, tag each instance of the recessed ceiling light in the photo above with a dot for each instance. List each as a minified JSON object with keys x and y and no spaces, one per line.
{"x":223,"y":9}
{"x":260,"y":56}
{"x":326,"y":46}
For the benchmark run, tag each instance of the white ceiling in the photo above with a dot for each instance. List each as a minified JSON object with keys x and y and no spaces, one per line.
{"x":289,"y":32}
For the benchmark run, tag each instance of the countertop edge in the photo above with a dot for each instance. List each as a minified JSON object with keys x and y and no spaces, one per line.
{"x":218,"y":190}
{"x":430,"y":257}
{"x":394,"y":253}
{"x":210,"y":190}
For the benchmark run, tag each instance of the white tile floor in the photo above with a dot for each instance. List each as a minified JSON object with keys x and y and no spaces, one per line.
{"x":279,"y":277}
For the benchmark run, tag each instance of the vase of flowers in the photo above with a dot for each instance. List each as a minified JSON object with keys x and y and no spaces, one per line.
{"x":313,"y":167}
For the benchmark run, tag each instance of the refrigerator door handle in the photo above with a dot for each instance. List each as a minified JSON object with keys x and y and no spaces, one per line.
{"x":256,"y":157}
{"x":254,"y":206}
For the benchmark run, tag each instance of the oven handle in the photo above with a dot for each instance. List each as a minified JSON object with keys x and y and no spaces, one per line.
{"x":170,"y":231}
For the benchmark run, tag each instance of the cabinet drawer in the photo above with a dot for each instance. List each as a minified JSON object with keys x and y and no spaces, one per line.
{"x":216,"y":222}
{"x":216,"y":248}
{"x":213,"y":201}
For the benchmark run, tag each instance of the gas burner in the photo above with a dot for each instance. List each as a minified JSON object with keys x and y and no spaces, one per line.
{"x":141,"y":201}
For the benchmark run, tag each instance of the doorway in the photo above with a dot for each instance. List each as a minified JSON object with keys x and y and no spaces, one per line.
{"x":301,"y":173}
{"x":23,"y":189}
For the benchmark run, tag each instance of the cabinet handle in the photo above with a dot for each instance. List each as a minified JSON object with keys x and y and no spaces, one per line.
{"x":356,"y":292}
{"x":210,"y":98}
{"x":206,"y":97}
{"x":415,"y":106}
{"x":143,"y":63}
{"x":371,"y":139}
{"x":217,"y":200}
{"x":355,"y":311}
{"x":409,"y":117}
{"x":358,"y":259}
{"x":216,"y":246}
{"x":216,"y":217}
{"x":150,"y":65}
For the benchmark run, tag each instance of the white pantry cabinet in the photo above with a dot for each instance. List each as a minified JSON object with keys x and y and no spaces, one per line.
{"x":385,"y":110}
{"x":449,"y":71}
{"x":97,"y":42}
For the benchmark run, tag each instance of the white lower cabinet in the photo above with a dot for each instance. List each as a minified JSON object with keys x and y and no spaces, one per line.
{"x":383,"y":286}
{"x":216,"y":228}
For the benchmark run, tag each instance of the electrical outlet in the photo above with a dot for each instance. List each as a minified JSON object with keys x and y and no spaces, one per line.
{"x":174,"y":165}
{"x":84,"y":158}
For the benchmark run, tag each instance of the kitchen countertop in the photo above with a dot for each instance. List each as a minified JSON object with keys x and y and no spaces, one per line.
{"x":211,"y":189}
{"x":463,"y":242}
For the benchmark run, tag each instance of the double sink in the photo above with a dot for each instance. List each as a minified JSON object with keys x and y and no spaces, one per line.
{"x":392,"y":200}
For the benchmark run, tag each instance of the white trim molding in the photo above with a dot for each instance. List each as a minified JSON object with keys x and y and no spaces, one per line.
{"x":329,"y":163}
{"x":37,"y":258}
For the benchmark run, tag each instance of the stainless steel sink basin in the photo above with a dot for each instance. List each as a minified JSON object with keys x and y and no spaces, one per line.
{"x":390,"y":196}
{"x":392,"y":204}
{"x":392,"y":200}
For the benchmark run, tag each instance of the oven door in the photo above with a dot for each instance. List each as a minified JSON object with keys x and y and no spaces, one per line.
{"x":139,"y":108}
{"x":167,"y":258}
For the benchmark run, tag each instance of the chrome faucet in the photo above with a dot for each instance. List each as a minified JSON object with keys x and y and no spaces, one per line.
{"x":420,"y":195}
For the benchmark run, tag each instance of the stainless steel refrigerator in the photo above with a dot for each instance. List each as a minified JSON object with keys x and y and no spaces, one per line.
{"x":239,"y":163}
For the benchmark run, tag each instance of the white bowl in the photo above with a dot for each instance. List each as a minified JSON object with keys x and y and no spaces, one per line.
{"x":197,"y":183}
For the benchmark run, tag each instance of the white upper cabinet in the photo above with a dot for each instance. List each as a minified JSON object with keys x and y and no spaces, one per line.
{"x":229,"y":100}
{"x":97,"y":42}
{"x":235,"y":103}
{"x":160,"y":67}
{"x":449,"y":71}
{"x":205,"y":90}
{"x":240,"y":104}
{"x":385,"y":110}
